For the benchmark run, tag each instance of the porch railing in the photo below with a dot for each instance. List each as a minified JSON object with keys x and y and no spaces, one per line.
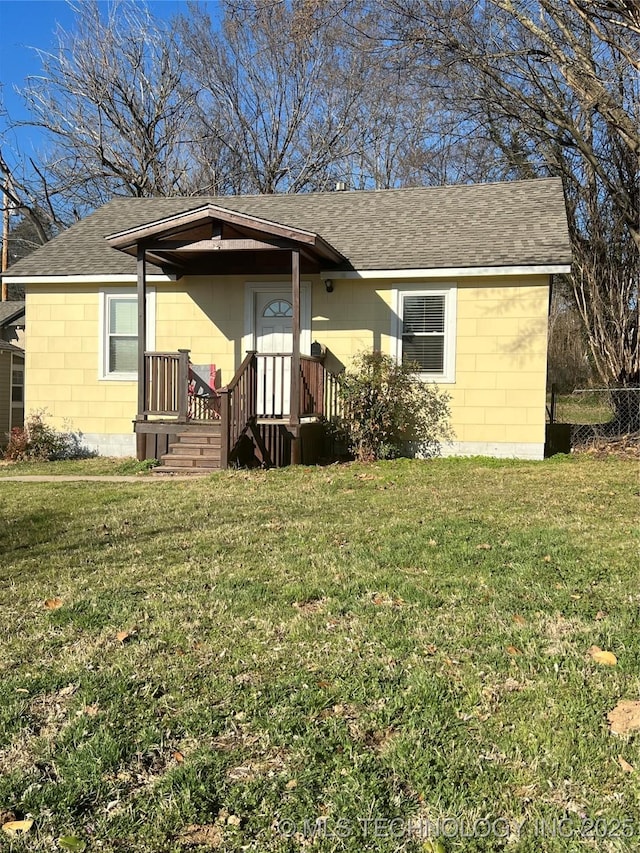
{"x":238,"y":406}
{"x":260,"y":389}
{"x":312,"y":381}
{"x":167,"y":384}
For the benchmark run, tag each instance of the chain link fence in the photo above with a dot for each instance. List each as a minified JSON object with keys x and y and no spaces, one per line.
{"x":597,"y":415}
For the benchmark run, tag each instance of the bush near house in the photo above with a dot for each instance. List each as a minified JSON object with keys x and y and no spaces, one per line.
{"x":38,"y":441}
{"x":388,"y":410}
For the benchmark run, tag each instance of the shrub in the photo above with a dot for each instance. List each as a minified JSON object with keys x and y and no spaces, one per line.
{"x":39,"y":441}
{"x":389,"y":411}
{"x":17,"y":445}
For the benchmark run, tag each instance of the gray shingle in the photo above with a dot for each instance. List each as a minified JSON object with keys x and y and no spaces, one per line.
{"x":9,"y":310}
{"x":500,"y":224}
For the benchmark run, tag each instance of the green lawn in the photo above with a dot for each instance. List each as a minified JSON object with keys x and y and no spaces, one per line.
{"x":224,"y":661}
{"x":587,"y":408}
{"x":101,"y":465}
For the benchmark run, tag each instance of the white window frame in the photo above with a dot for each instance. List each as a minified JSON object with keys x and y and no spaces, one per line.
{"x":105,"y":296}
{"x":450,"y":293}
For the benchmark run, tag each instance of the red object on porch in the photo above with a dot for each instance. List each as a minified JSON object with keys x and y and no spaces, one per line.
{"x":204,"y":399}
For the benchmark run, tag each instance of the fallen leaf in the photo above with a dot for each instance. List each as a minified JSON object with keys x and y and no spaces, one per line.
{"x":484,"y":547}
{"x":547,"y":558}
{"x":233,"y":820}
{"x":431,"y":649}
{"x":512,"y":650}
{"x":179,"y":757}
{"x":69,"y":690}
{"x":601,"y":615}
{"x":434,"y":847}
{"x":604,"y":658}
{"x":433,"y":543}
{"x":73,"y":843}
{"x":625,"y":717}
{"x":53,"y":603}
{"x":121,"y":636}
{"x":576,"y":597}
{"x":628,"y":768}
{"x":16,"y":828}
{"x":291,"y":784}
{"x":92,"y":710}
{"x":519,"y":620}
{"x":207,"y":835}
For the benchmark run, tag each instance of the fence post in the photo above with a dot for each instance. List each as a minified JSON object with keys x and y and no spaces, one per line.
{"x":183,"y":385}
{"x":224,"y":427}
{"x":552,"y":412}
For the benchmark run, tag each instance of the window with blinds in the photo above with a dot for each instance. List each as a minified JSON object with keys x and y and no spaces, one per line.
{"x":122,"y":334}
{"x":423,"y":332}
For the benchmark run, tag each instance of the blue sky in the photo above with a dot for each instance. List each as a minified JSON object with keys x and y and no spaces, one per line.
{"x":28,"y":24}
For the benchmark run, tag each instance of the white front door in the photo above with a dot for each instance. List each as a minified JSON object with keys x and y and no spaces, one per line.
{"x":274,"y":313}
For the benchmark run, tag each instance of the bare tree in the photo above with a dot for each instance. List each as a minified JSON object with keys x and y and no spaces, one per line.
{"x":551,"y":87}
{"x":112,"y":104}
{"x":274,"y":92}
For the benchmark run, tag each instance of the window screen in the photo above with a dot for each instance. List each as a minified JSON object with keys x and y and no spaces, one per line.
{"x":423,"y":324}
{"x":123,"y":335}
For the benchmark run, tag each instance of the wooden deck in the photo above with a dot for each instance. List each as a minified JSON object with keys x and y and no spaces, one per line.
{"x":248,"y":423}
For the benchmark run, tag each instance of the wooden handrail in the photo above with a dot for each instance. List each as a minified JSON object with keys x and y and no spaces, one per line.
{"x":239,"y":372}
{"x":237,"y":406}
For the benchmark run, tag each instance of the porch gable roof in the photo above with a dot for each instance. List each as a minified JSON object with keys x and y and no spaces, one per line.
{"x":213,"y":228}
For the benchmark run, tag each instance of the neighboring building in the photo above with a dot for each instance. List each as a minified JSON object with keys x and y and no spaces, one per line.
{"x":456,"y":278}
{"x":12,"y":323}
{"x":11,"y":389}
{"x":11,"y":368}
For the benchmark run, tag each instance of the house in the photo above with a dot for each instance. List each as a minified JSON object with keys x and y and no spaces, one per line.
{"x":11,"y":368}
{"x":11,"y":389}
{"x":270,"y":296}
{"x":12,"y":323}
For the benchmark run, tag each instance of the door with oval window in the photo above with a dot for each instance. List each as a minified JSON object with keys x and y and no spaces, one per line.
{"x":274,"y":313}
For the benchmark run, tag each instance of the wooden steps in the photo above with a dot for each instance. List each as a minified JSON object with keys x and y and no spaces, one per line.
{"x":196,"y":451}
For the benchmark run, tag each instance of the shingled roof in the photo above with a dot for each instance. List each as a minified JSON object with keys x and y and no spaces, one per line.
{"x":518,"y":223}
{"x":10,"y":311}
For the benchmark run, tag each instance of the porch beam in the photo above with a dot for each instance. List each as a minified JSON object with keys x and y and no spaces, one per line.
{"x":215,"y":245}
{"x":142,"y":330}
{"x":294,"y":403}
{"x":161,"y":261}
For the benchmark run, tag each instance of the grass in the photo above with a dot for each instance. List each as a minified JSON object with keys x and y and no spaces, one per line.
{"x":225,"y":661}
{"x":587,"y":408}
{"x":100,"y":465}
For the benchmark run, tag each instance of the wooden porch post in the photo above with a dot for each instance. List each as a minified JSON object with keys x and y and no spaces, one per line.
{"x":142,"y":331}
{"x":294,"y":403}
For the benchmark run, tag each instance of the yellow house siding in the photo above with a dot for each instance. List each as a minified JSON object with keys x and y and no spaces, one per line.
{"x":207,"y":316}
{"x":62,"y":361}
{"x":498,"y":395}
{"x":501,"y":347}
{"x":507,"y":385}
